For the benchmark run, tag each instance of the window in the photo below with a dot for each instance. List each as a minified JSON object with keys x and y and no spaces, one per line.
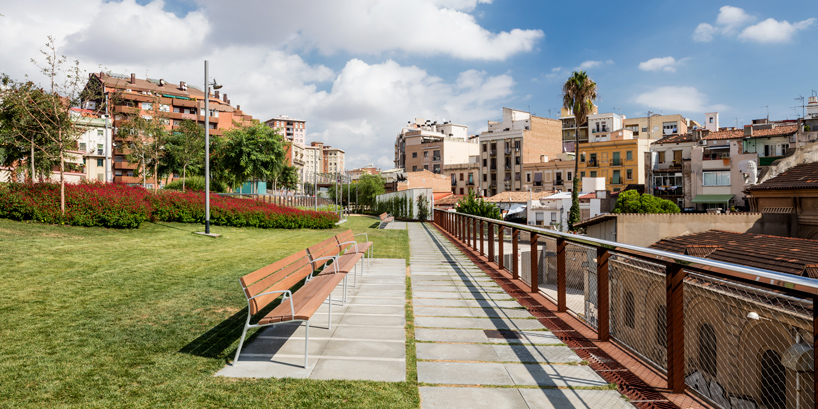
{"x":485,"y":163}
{"x":773,"y":380}
{"x":461,"y":176}
{"x":99,"y":132}
{"x":616,"y":179}
{"x":414,"y":168}
{"x":629,"y":155}
{"x":414,"y":154}
{"x":616,"y":161}
{"x":629,"y":174}
{"x":539,"y":217}
{"x":644,"y":129}
{"x":661,"y":158}
{"x":630,"y":310}
{"x":436,"y":169}
{"x":708,"y":349}
{"x":582,"y":158}
{"x":718,"y":178}
{"x":100,"y":163}
{"x":516,"y":160}
{"x":83,"y":146}
{"x":661,"y":326}
{"x":528,"y":177}
{"x":711,"y":119}
{"x":569,"y":176}
{"x":147,"y":106}
{"x":471,"y":178}
{"x":485,"y":178}
{"x":484,"y":147}
{"x":582,"y":174}
{"x":461,"y":190}
{"x":425,"y":154}
{"x":454,"y":179}
{"x":593,"y":173}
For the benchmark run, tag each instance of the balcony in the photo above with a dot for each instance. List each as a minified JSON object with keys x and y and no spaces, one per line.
{"x":661,"y":191}
{"x":435,"y":158}
{"x":616,"y":162}
{"x":682,"y":329}
{"x":616,"y":181}
{"x":493,"y":152}
{"x":454,"y":183}
{"x":592,"y":163}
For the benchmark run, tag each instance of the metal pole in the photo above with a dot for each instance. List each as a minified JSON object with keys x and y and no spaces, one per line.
{"x":315,"y":177}
{"x":207,"y":148}
{"x":107,"y":143}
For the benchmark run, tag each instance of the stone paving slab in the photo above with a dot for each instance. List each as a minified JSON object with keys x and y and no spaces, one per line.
{"x":367,"y":340}
{"x":470,"y":332}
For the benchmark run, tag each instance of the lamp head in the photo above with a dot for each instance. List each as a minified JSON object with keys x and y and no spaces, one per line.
{"x":216,"y":84}
{"x":753,"y":315}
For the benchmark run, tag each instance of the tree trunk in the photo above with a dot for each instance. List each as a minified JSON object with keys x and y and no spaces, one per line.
{"x":32,"y":160}
{"x":184,"y":175}
{"x":62,"y":183}
{"x":155,"y":177}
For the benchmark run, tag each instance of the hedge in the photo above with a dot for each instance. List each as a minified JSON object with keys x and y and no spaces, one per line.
{"x":121,"y":206}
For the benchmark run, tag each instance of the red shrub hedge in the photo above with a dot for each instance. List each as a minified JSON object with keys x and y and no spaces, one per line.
{"x":121,"y":206}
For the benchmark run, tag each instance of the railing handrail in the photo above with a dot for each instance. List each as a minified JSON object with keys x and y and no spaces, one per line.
{"x":787,"y":282}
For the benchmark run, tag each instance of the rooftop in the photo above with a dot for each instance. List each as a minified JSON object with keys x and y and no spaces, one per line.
{"x":800,"y":177}
{"x":782,"y":254}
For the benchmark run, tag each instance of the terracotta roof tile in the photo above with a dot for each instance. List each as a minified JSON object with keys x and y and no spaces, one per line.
{"x":449,"y":200}
{"x":782,"y":254}
{"x":675,"y":139}
{"x":799,"y":177}
{"x":509,"y":196}
{"x":726,"y":134}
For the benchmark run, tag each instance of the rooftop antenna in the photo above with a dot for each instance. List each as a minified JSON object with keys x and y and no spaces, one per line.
{"x":814,"y":93}
{"x":800,"y":98}
{"x":618,"y":109}
{"x":768,"y":112}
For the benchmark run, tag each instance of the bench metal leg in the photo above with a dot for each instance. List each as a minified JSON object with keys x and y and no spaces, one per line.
{"x":329,"y":322}
{"x":306,"y":344}
{"x":344,"y":299}
{"x":241,"y":342}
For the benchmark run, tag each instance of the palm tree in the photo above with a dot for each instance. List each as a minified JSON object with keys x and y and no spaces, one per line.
{"x":578,"y":95}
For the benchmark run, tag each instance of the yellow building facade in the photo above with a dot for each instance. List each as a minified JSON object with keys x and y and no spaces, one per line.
{"x":617,"y":156}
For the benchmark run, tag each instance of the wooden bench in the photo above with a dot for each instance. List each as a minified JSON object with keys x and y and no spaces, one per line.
{"x":385,"y":220}
{"x":265,"y":285}
{"x":330,"y":249}
{"x":348,"y":244}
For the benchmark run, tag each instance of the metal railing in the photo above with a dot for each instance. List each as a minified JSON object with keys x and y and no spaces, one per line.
{"x":282,"y":200}
{"x":736,"y":335}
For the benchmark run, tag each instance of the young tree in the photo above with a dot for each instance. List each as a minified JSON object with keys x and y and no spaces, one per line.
{"x":185,"y":149}
{"x":368,"y":188}
{"x":578,"y":95}
{"x":255,"y":152}
{"x":630,"y":201}
{"x":144,"y":137}
{"x":476,"y":206}
{"x":288,"y":178}
{"x":42,"y":116}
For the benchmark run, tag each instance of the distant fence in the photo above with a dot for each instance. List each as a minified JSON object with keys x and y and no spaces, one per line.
{"x":283,"y":200}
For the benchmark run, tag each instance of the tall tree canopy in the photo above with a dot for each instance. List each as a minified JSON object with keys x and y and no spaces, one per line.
{"x":578,"y":95}
{"x":630,"y":201}
{"x":252,"y":153}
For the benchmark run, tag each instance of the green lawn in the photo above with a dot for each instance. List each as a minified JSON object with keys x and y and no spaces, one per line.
{"x":94,"y":317}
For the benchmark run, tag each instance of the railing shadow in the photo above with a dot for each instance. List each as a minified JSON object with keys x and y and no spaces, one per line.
{"x":213,"y":343}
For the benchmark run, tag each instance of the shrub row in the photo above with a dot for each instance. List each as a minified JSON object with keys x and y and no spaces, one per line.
{"x":121,"y":206}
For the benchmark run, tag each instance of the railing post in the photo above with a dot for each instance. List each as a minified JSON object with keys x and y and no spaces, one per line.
{"x":561,"y":245}
{"x":482,"y":242}
{"x":675,"y":328}
{"x":535,"y":286}
{"x":474,"y":234}
{"x":603,"y":297}
{"x":515,"y":272}
{"x":500,"y":241}
{"x":491,"y":242}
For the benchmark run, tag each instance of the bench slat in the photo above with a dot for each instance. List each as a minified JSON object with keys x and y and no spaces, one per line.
{"x":265,"y":271}
{"x":306,"y":300}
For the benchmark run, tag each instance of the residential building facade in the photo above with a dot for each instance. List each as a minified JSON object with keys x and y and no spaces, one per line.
{"x":464,"y":176}
{"x":549,"y":176}
{"x":519,"y":138}
{"x":616,"y":156}
{"x":424,"y":135}
{"x":294,"y":130}
{"x":657,"y":126}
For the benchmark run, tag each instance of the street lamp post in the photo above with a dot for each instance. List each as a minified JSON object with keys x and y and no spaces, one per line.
{"x":215,"y":85}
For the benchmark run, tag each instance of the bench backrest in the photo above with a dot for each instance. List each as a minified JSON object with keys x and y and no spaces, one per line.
{"x":344,"y":237}
{"x":384,"y":216}
{"x":279,"y":276}
{"x":326,"y":248}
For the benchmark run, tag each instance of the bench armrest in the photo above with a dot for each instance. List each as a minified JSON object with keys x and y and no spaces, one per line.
{"x":334,"y":262}
{"x":350,"y":242}
{"x":366,"y":235}
{"x":287,"y":293}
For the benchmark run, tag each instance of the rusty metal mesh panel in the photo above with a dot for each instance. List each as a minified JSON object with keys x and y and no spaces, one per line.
{"x":506,"y":249}
{"x":746,"y":346}
{"x":638,"y":307}
{"x":548,"y":268}
{"x":580,"y":282}
{"x":525,"y":256}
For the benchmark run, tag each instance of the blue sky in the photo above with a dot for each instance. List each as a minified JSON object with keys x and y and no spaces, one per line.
{"x":357,"y":70}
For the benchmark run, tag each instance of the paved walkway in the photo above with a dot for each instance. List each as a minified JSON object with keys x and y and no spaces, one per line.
{"x":367,"y":340}
{"x":478,"y":348}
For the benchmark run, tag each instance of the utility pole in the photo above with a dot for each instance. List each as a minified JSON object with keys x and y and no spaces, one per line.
{"x":800,"y":98}
{"x":768,"y":112}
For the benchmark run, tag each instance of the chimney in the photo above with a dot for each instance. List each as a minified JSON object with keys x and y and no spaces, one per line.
{"x":133,"y":78}
{"x":217,"y":94}
{"x":238,"y":107}
{"x":225,"y":98}
{"x":748,"y":130}
{"x":182,"y":85}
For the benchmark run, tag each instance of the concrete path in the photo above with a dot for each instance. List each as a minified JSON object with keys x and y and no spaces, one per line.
{"x":478,"y":348}
{"x":367,"y":340}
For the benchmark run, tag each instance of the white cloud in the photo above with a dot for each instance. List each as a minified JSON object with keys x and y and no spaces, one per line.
{"x":371,"y":27}
{"x":560,"y":72}
{"x":704,"y":33}
{"x":731,"y":18}
{"x":677,"y":99}
{"x":771,"y":31}
{"x":667,"y":64}
{"x":128,"y":32}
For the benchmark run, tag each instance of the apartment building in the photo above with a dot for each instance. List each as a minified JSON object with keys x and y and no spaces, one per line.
{"x":616,"y":156}
{"x":426,"y":145}
{"x":178,"y":101}
{"x":464,"y":176}
{"x":551,"y":175}
{"x":294,"y":130}
{"x":93,"y":145}
{"x":570,"y":128}
{"x":519,"y":138}
{"x":657,"y":126}
{"x":333,"y":159}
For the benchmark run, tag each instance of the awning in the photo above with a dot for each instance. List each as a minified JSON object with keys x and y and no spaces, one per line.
{"x":712,"y":198}
{"x":516,"y":209}
{"x":538,"y":177}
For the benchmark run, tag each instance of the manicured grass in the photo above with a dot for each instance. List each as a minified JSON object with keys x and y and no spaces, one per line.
{"x":96,"y":317}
